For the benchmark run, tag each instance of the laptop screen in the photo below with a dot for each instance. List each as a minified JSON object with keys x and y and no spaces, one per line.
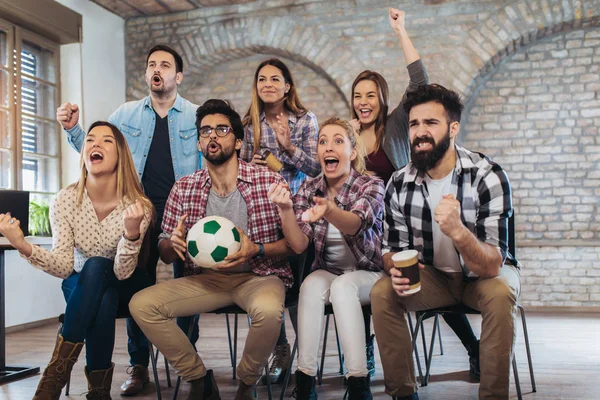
{"x":17,"y":203}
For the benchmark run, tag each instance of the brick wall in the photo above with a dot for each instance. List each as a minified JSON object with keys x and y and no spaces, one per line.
{"x":528,"y":71}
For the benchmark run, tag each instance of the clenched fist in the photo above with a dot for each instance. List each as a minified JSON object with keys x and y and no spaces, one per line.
{"x":68,"y":115}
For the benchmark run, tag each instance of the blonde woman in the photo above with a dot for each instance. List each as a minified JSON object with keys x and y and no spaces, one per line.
{"x":341,"y":210}
{"x":98,"y":226}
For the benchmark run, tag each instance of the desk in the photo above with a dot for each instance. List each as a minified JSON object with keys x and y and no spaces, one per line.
{"x":8,"y":373}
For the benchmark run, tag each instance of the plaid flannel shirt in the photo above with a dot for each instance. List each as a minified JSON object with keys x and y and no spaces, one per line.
{"x":303,"y":134}
{"x":360,"y":194}
{"x":483,"y":191}
{"x":190,"y":194}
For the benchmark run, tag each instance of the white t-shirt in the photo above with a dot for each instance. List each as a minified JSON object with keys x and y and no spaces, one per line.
{"x":445,"y":256}
{"x":337,"y":253}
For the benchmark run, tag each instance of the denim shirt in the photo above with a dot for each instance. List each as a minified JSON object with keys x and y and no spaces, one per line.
{"x":136,"y":120}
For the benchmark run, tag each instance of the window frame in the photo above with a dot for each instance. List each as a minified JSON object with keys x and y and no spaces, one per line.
{"x":16,"y":35}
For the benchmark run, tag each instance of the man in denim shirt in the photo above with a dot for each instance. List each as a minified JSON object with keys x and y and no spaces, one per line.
{"x":161,"y":134}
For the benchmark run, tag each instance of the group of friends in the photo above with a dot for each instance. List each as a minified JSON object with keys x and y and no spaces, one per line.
{"x":358,"y":190}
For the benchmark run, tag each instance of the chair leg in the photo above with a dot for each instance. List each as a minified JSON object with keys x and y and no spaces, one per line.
{"x":423,"y":338}
{"x":235,"y":335}
{"x":412,"y":337}
{"x":229,"y":340}
{"x":439,"y":331}
{"x":320,"y":374}
{"x":431,"y":346}
{"x":269,"y":390}
{"x":516,"y":374}
{"x":286,"y":379}
{"x":154,"y":371}
{"x":526,"y":334}
{"x":339,"y":347}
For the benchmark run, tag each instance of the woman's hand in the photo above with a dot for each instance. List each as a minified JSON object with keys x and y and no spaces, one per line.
{"x":11,"y":229}
{"x":132,"y":220}
{"x":355,"y":123}
{"x":321,"y":208}
{"x":282,"y":133}
{"x":397,"y":20}
{"x":258,"y":160}
{"x":279,"y":193}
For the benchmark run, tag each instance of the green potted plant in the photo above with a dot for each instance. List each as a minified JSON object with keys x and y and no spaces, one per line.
{"x":39,"y":218}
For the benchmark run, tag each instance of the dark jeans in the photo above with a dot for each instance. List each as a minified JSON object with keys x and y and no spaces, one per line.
{"x":95,"y":299}
{"x":462,"y":328}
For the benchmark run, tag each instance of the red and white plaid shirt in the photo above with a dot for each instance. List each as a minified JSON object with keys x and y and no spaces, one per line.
{"x":189,"y":196}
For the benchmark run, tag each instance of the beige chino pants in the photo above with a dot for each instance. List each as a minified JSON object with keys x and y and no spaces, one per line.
{"x":496,"y":298}
{"x":156,"y":308}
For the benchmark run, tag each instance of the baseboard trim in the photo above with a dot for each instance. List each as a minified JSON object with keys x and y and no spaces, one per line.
{"x":556,"y":309}
{"x":34,"y":324}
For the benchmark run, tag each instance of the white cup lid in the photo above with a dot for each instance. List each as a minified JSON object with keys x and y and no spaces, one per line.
{"x":405,"y":255}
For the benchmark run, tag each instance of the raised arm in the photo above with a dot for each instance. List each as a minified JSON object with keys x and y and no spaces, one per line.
{"x":280,"y":195}
{"x":303,"y":157}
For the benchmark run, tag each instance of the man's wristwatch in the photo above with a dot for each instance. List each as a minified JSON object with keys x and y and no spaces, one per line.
{"x":261,"y":250}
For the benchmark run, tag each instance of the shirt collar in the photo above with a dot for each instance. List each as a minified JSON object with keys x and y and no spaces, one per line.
{"x":343,"y":195}
{"x":292,"y":118}
{"x":176,"y":106}
{"x":244,"y":174}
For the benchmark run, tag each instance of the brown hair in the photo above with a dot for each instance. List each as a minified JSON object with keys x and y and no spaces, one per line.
{"x":359,"y":163}
{"x":383,"y":94}
{"x":129,"y":187}
{"x":291,"y":101}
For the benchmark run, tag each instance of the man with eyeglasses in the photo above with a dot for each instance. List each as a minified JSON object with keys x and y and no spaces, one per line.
{"x":255,"y":278}
{"x":162,"y":138}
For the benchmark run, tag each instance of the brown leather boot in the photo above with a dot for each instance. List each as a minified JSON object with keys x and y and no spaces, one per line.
{"x":245,"y":392}
{"x":99,"y":383}
{"x":58,"y":371}
{"x":138,"y":379}
{"x":204,"y":388}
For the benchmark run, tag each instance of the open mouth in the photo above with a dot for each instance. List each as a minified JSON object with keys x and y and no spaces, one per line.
{"x":331,"y":164}
{"x":96,"y":157}
{"x":364,"y":113}
{"x":213,"y":147}
{"x":156,"y":80}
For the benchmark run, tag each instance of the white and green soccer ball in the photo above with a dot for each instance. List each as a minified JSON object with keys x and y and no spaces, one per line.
{"x":211,"y":240}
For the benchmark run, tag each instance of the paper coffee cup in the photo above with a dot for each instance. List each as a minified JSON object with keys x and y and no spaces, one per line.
{"x":272,"y":162}
{"x":407,"y":262}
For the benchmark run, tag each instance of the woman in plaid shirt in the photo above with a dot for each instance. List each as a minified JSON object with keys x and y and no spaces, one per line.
{"x":341,"y":210}
{"x":278,"y":123}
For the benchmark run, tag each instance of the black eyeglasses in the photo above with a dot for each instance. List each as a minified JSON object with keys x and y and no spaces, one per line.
{"x":220,"y":130}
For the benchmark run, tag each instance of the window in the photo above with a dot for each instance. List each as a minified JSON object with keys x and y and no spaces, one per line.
{"x":29,"y":133}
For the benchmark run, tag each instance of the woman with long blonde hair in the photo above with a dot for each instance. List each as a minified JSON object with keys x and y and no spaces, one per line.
{"x":341,"y":211}
{"x":98,"y":225}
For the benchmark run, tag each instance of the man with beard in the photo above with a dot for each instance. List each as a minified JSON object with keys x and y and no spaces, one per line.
{"x":255,"y":278}
{"x":162,"y":138}
{"x":452,"y":206}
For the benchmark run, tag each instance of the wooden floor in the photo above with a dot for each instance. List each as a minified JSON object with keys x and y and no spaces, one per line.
{"x":565,"y":347}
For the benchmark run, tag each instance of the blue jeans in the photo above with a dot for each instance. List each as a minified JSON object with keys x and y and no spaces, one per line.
{"x":95,"y":299}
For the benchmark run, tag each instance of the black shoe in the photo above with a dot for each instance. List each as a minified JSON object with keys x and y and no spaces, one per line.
{"x":204,"y":388}
{"x":414,"y":396}
{"x":305,"y":387}
{"x":359,"y":388}
{"x":474,"y":371}
{"x":371,"y":356}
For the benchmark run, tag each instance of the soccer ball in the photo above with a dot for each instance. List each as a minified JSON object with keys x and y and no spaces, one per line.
{"x":211,"y":240}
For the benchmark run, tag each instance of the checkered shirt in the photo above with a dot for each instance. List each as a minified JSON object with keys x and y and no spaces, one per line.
{"x":190,"y":194}
{"x":360,"y":194}
{"x":483,"y":191}
{"x":303,"y":134}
